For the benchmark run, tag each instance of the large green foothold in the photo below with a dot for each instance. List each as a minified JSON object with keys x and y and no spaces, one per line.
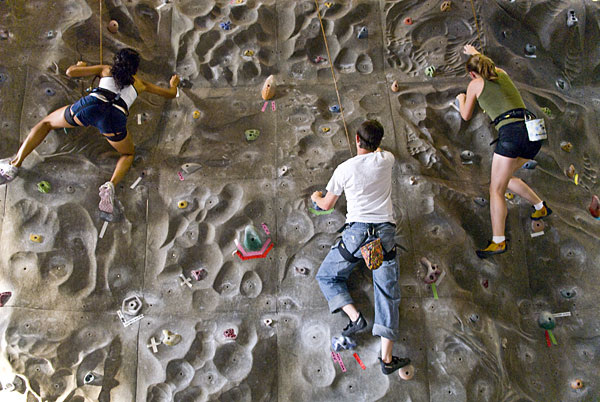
{"x":252,"y":240}
{"x":44,"y":187}
{"x":252,"y":134}
{"x":546,"y":320}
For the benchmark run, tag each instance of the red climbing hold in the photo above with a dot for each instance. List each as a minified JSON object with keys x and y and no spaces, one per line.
{"x":4,"y":296}
{"x":408,"y":21}
{"x":595,"y":207}
{"x":485,"y":283}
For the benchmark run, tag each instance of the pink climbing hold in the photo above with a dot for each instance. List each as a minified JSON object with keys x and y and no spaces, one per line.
{"x":199,"y":274}
{"x":230,"y":334}
{"x":4,"y":296}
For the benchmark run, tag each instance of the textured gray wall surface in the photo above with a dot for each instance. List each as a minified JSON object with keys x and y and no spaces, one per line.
{"x":479,"y":341}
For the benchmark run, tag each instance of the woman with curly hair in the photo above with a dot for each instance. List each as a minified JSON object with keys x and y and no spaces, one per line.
{"x":105,"y":108}
{"x":497,"y":95}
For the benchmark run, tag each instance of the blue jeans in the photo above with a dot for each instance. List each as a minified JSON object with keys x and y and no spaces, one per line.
{"x":335,"y":271}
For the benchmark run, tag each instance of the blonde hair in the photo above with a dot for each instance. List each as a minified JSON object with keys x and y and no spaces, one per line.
{"x":483,"y":66}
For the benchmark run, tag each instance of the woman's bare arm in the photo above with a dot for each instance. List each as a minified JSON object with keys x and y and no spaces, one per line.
{"x":171,"y":92}
{"x":81,"y":69}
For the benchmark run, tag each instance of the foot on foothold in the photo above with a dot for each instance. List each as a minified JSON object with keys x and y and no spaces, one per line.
{"x":107,"y":197}
{"x":8,"y":172}
{"x":355,"y":326}
{"x":594,"y":207}
{"x":492,"y":249}
{"x":395,"y":364}
{"x":542,"y":213}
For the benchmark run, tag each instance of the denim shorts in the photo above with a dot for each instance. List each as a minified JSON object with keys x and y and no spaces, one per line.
{"x":513,"y":142}
{"x":91,"y":111}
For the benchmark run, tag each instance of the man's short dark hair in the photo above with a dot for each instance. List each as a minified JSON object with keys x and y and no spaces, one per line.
{"x":370,"y":134}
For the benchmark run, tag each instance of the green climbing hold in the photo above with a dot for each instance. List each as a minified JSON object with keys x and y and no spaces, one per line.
{"x":252,"y":240}
{"x":252,"y":134}
{"x":546,"y":320}
{"x":44,"y":187}
{"x":430,"y":71}
{"x":547,"y":111}
{"x":321,"y":212}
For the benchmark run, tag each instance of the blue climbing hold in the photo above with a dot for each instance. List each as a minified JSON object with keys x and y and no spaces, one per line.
{"x":363,"y":33}
{"x":334,"y":108}
{"x":50,"y":92}
{"x":225,"y":25}
{"x":342,"y":342}
{"x":530,"y":164}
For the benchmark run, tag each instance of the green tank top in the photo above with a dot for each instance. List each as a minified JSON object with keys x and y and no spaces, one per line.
{"x":499,"y":97}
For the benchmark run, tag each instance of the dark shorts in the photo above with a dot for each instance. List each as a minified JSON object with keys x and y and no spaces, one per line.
{"x":91,"y":111}
{"x":513,"y":142}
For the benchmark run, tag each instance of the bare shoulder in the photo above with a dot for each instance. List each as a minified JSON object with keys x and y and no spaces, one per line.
{"x":139,"y":84}
{"x":476,"y":85}
{"x":106,"y":71}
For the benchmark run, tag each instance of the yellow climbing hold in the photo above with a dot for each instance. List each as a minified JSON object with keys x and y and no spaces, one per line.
{"x":249,"y":53}
{"x":328,"y":4}
{"x":508,"y":195}
{"x":182,"y":204}
{"x":325,"y":129}
{"x":35,"y":238}
{"x":196,"y":114}
{"x":576,"y":179}
{"x":239,"y":1}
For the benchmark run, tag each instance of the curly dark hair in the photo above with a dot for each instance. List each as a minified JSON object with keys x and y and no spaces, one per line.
{"x":125,"y":65}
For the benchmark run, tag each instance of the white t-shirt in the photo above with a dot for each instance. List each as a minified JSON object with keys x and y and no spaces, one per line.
{"x":367,"y":181}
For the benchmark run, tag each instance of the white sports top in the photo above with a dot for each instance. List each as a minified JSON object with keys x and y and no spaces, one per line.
{"x":128,"y":94}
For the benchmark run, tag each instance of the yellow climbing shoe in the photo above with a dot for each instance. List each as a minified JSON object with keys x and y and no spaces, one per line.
{"x":491,"y":249}
{"x":542,"y":213}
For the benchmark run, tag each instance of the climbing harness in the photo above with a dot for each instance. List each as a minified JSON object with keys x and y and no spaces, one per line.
{"x":374,"y":253}
{"x":334,"y":79}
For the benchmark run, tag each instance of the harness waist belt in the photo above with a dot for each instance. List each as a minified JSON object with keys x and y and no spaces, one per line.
{"x":513,"y":114}
{"x":110,"y":97}
{"x":348,"y":256}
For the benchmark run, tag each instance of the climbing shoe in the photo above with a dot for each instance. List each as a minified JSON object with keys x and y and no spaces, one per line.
{"x":542,"y":213}
{"x":355,"y":326}
{"x":107,"y":197}
{"x":395,"y":364}
{"x":491,"y":249}
{"x":8,"y":172}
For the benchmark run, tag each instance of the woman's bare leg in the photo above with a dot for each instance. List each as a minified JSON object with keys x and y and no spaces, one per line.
{"x":37,"y":134}
{"x":127,"y":151}
{"x":521,"y":188}
{"x":502,"y":170}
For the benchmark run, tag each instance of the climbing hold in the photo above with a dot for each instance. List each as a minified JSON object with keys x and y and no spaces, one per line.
{"x":113,"y":27}
{"x":35,"y":238}
{"x":568,"y":293}
{"x":546,"y":321}
{"x":131,"y":305}
{"x":252,"y":240}
{"x":445,"y":6}
{"x":474,"y":317}
{"x":530,"y":50}
{"x":485,"y":283}
{"x":594,"y":207}
{"x":4,"y":297}
{"x":571,"y":18}
{"x":561,"y":84}
{"x":89,"y":377}
{"x":504,"y":343}
{"x":226,"y":26}
{"x":302,"y":270}
{"x":44,"y":187}
{"x":230,"y":334}
{"x":249,"y":53}
{"x":570,"y":171}
{"x":430,"y":71}
{"x":199,"y":274}
{"x":537,"y":226}
{"x":530,"y":165}
{"x":170,"y":338}
{"x":328,"y":4}
{"x":467,"y":155}
{"x":50,"y":92}
{"x":395,"y":86}
{"x":3,"y":77}
{"x":482,"y":202}
{"x":363,"y":33}
{"x":252,"y":134}
{"x":196,"y":114}
{"x":407,"y":372}
{"x":408,"y":21}
{"x":342,"y":342}
{"x":325,"y":129}
{"x":319,"y":59}
{"x":268,"y":89}
{"x":334,"y":108}
{"x":577,"y":384}
{"x":412,"y":180}
{"x":4,"y":34}
{"x":183,"y":204}
{"x":50,"y":34}
{"x":547,"y":111}
{"x":566,"y":146}
{"x":508,"y":195}
{"x":267,"y":322}
{"x":433,"y":271}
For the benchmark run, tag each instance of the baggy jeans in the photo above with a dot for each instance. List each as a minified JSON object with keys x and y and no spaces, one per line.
{"x":335,"y":271}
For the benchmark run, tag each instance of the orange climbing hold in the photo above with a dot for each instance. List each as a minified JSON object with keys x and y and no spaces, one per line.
{"x":408,"y":21}
{"x":446,"y":6}
{"x":395,"y":86}
{"x":577,"y":384}
{"x":113,"y":27}
{"x":268,"y":89}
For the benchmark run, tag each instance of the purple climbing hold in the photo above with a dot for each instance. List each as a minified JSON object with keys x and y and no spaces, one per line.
{"x":199,"y":274}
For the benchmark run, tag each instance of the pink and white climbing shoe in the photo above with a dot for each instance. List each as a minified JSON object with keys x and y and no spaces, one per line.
{"x":107,"y":197}
{"x":8,"y":172}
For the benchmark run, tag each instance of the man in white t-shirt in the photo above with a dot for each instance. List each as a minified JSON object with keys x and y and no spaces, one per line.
{"x":367,"y":181}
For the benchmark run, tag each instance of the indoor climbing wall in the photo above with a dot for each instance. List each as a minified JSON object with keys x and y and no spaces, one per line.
{"x":203,"y":287}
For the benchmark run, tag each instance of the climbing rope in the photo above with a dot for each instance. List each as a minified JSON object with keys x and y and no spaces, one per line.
{"x":476,"y":25}
{"x":334,"y":79}
{"x":100,"y":30}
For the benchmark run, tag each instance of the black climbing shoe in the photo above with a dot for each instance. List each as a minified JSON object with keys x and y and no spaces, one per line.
{"x":492,"y":249}
{"x":542,"y":213}
{"x":355,"y":326}
{"x":395,"y":364}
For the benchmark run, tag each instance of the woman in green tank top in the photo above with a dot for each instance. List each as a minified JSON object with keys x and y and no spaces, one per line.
{"x":495,"y":92}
